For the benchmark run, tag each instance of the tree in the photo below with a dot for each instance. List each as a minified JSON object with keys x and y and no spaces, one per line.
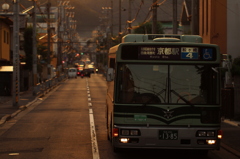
{"x":146,"y":28}
{"x":42,"y":51}
{"x":28,"y":48}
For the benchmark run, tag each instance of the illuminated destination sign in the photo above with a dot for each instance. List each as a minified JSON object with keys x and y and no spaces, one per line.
{"x":186,"y":53}
{"x":158,"y":52}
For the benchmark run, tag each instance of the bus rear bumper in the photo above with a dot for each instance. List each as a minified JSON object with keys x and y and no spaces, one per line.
{"x":167,"y":138}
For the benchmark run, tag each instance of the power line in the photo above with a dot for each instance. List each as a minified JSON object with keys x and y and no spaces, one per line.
{"x":148,"y":16}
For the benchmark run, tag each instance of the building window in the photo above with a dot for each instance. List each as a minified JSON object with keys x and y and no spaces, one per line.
{"x":5,"y":37}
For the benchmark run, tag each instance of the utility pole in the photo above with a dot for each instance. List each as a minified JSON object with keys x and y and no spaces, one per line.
{"x":154,"y":19}
{"x":120,"y":19}
{"x":175,"y":17}
{"x":129,"y":17}
{"x":194,"y":19}
{"x":111,"y":18}
{"x":15,"y":53}
{"x":49,"y":36}
{"x":59,"y":44}
{"x":34,"y":48}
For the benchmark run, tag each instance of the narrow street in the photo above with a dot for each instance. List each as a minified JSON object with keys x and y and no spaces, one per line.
{"x":69,"y":122}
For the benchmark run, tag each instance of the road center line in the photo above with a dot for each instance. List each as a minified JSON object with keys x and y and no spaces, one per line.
{"x":95,"y":151}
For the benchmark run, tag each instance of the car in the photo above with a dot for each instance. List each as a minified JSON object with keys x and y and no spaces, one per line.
{"x":79,"y":73}
{"x":72,"y":73}
{"x":80,"y":69}
{"x":86,"y":72}
{"x":91,"y":67}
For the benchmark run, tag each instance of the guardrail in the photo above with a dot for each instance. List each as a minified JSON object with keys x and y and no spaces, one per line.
{"x":44,"y":87}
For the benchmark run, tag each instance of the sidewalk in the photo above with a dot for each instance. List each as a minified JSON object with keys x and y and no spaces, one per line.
{"x":7,"y":110}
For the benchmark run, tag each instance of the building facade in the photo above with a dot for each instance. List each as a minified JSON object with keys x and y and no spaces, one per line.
{"x":213,"y":22}
{"x":233,"y":25}
{"x":5,"y":33}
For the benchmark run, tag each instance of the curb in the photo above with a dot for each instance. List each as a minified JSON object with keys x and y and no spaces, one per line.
{"x":233,"y":123}
{"x":20,"y":109}
{"x":4,"y":119}
{"x":23,"y":107}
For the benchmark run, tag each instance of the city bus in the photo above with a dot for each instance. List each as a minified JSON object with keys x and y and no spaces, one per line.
{"x":164,"y":93}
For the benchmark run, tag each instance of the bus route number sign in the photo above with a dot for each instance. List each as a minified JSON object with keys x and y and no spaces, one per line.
{"x":168,"y":134}
{"x":189,"y":53}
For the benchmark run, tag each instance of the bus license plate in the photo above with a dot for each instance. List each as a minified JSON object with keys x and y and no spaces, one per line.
{"x":168,"y":134}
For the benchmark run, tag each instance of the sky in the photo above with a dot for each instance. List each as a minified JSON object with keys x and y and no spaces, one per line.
{"x":89,"y":13}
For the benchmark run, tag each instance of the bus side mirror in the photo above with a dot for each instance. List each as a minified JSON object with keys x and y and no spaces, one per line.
{"x":110,"y":74}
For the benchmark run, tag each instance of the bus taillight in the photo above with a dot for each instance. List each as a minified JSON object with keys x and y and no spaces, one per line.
{"x":115,"y":132}
{"x":220,"y":134}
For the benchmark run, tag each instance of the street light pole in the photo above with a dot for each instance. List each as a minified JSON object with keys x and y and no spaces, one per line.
{"x":175,"y":17}
{"x":49,"y":37}
{"x":112,"y":18}
{"x":34,"y":48}
{"x":154,"y":19}
{"x":15,"y":53}
{"x":120,"y":21}
{"x":129,"y":16}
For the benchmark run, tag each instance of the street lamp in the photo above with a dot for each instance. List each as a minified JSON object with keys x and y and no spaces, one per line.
{"x":5,"y":7}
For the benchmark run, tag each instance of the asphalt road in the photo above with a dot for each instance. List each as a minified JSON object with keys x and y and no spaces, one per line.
{"x":69,"y":123}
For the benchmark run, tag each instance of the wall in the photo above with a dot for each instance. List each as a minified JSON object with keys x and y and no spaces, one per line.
{"x":4,"y":41}
{"x":236,"y":97}
{"x":213,"y":22}
{"x":233,"y":28}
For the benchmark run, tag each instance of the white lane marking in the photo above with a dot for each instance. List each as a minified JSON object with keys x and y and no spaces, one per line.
{"x":90,"y":111}
{"x":95,"y":151}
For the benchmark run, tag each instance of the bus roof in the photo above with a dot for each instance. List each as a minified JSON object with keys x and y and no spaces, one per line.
{"x":161,"y":37}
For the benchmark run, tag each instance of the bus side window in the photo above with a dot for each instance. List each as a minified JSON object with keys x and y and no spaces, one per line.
{"x":110,"y":74}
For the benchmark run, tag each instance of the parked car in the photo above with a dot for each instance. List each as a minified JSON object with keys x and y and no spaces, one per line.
{"x":86,"y":72}
{"x":72,"y":73}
